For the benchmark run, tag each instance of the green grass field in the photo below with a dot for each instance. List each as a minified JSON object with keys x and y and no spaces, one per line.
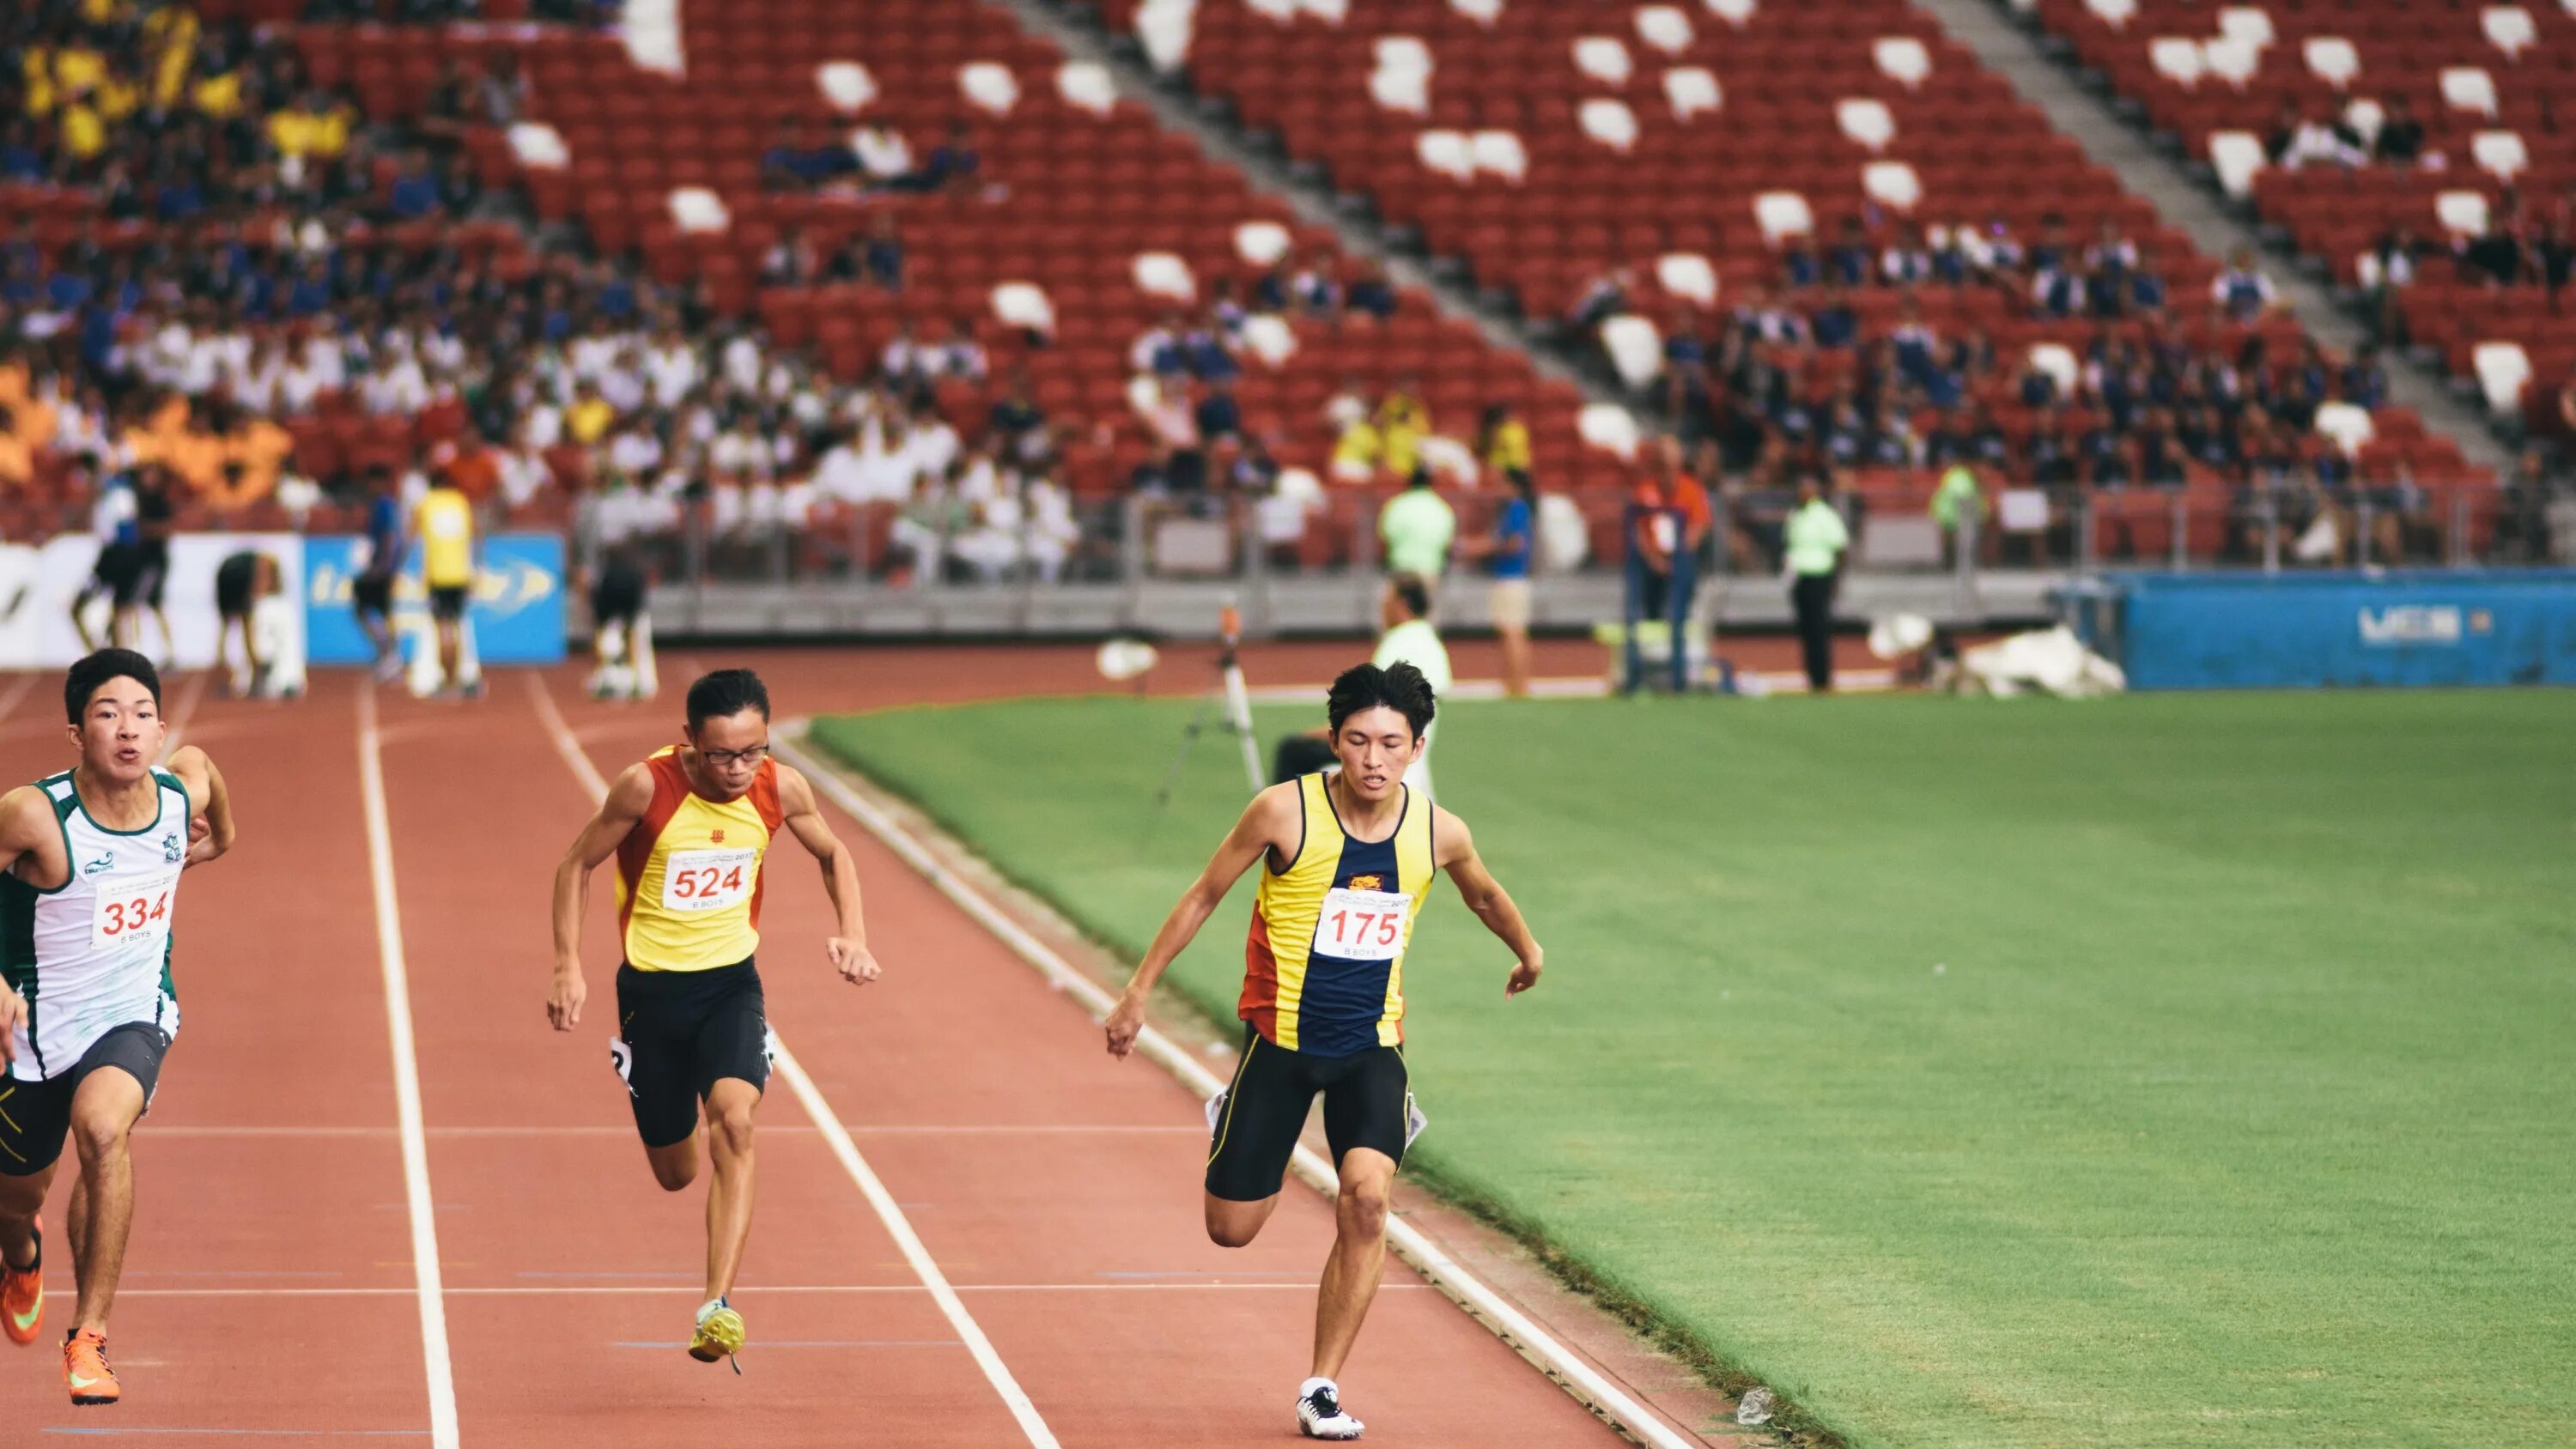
{"x":2161,"y":1071}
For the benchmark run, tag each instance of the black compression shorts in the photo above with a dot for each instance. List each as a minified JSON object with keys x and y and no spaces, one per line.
{"x":617,"y":596}
{"x":681,"y":1032}
{"x":447,"y":602}
{"x":35,"y":1115}
{"x":235,"y":579}
{"x":372,"y":596}
{"x":1368,"y":1102}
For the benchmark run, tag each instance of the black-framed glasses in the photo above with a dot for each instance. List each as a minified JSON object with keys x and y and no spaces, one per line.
{"x":727,"y":759}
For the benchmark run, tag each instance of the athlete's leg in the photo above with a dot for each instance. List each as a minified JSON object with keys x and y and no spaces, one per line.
{"x":103,"y":1116}
{"x":21,"y":1198}
{"x":1232,"y":1224}
{"x":250,"y":653}
{"x":1359,"y":1256}
{"x":730,"y":1104}
{"x":675,"y":1166}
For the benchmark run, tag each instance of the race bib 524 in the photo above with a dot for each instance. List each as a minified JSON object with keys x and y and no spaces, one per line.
{"x":709,"y":880}
{"x":1362,"y":925}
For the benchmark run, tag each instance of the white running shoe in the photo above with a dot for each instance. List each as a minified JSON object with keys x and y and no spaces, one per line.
{"x":1320,"y":1414}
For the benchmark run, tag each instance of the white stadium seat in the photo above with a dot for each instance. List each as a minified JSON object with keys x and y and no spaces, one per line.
{"x":1500,"y":152}
{"x":1164,"y":27}
{"x":1270,"y":337}
{"x":1636,"y":349}
{"x":1086,"y":85}
{"x":1739,"y":13}
{"x":1401,"y":52}
{"x":1866,"y":120}
{"x":2509,"y":29}
{"x":2462,"y":212}
{"x":1893,"y":182}
{"x":1164,"y":274}
{"x":846,"y":85}
{"x":1609,"y":122}
{"x":1609,"y":427}
{"x":1783,"y":214}
{"x":1446,"y":152}
{"x":1024,"y":304}
{"x":539,"y":146}
{"x":2114,"y":13}
{"x":2365,"y":115}
{"x":881,"y":153}
{"x":2249,"y":23}
{"x":1603,"y":58}
{"x":2500,"y":152}
{"x":2231,"y":58}
{"x":1687,"y":274}
{"x":1664,"y":27}
{"x":1903,"y":59}
{"x":2347,"y":424}
{"x":1401,"y":90}
{"x":1483,"y":12}
{"x":989,"y":85}
{"x":2504,"y":370}
{"x":2469,"y":88}
{"x":1692,"y":89}
{"x":1261,"y":242}
{"x":2332,"y":59}
{"x":2058,"y":361}
{"x":2177,"y":58}
{"x":2238,"y":158}
{"x":695,"y":208}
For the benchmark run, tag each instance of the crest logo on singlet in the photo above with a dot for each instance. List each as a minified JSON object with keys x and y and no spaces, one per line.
{"x":100,"y":866}
{"x":715,"y":837}
{"x":171,"y":850}
{"x":1368,"y":882}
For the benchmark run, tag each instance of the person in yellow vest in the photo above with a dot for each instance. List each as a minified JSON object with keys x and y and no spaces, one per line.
{"x":444,"y":524}
{"x":1349,"y":857}
{"x":691,"y":829}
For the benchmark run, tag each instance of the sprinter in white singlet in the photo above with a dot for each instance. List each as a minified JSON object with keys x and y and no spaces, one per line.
{"x":89,"y":893}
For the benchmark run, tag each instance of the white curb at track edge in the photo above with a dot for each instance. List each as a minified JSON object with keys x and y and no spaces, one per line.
{"x":1576,"y":1377}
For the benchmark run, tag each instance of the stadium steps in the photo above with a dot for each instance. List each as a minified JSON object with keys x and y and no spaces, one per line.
{"x":1076,"y":27}
{"x":1987,"y":28}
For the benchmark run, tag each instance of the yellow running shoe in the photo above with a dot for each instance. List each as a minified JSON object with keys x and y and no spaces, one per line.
{"x":85,"y":1368}
{"x":22,"y":1294}
{"x":719,"y":1334}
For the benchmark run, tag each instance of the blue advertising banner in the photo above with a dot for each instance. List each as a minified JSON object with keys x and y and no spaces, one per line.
{"x":517,"y":613}
{"x":2373,"y":630}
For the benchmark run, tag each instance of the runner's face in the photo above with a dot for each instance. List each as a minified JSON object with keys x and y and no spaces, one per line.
{"x":731,"y":749}
{"x":1374,"y":747}
{"x":120,"y":732}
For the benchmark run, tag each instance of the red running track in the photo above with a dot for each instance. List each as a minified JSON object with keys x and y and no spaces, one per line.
{"x":272,"y":1293}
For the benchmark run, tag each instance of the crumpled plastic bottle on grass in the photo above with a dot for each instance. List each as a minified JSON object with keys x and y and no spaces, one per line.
{"x":1755,"y":1407}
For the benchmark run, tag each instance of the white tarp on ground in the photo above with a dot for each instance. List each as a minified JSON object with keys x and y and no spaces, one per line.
{"x":38,"y":584}
{"x":2043,"y":661}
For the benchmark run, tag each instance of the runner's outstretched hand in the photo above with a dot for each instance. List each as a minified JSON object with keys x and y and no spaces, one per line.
{"x":857,"y":965}
{"x":1524,"y":976}
{"x":563,"y":1004}
{"x":1123,"y":1025}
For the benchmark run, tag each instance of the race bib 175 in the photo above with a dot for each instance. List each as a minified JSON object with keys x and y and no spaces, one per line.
{"x":1362,"y":925}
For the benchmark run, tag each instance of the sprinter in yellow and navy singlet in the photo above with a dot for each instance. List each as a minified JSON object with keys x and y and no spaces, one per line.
{"x":1324,"y":967}
{"x":1348,"y":859}
{"x":689,"y":873}
{"x":691,"y":829}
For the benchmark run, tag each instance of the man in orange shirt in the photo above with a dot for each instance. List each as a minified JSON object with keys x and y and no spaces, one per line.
{"x":1673,"y":517}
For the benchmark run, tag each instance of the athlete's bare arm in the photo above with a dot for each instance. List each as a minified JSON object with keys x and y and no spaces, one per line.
{"x":1270,"y":826}
{"x":848,"y":950}
{"x":210,"y":830}
{"x":627,"y":801}
{"x":1487,"y":898}
{"x":27,"y":825}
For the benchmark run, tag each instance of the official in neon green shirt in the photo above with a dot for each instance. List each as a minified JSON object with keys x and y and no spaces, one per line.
{"x":1816,"y":538}
{"x":1417,"y":526}
{"x":1957,"y":495}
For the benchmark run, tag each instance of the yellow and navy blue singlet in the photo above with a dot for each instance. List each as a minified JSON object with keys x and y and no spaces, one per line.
{"x":689,"y":874}
{"x":1324,"y":967}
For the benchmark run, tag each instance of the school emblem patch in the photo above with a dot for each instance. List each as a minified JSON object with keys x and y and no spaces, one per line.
{"x":171,"y":850}
{"x":1368,"y":882}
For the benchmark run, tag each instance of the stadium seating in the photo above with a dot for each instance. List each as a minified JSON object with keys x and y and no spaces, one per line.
{"x":2488,"y":83}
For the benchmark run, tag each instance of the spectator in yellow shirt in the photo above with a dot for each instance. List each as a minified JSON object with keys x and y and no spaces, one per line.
{"x":1504,"y":441}
{"x":590,"y":416}
{"x":444,"y":524}
{"x":1403,"y":420}
{"x":1357,"y":453}
{"x":314,"y":126}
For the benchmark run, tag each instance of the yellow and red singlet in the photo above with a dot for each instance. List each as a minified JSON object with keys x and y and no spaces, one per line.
{"x":689,"y":873}
{"x":1324,"y":968}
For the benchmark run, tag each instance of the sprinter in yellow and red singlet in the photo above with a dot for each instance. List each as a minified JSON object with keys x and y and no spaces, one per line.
{"x":691,"y":828}
{"x":1350,"y":855}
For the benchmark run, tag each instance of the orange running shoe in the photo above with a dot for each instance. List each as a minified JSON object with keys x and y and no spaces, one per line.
{"x":85,"y":1368}
{"x":22,"y":1294}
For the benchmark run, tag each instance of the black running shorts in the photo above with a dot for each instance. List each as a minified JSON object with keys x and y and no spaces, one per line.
{"x":35,"y":1115}
{"x":372,"y":596}
{"x":447,"y":602}
{"x":681,"y":1032}
{"x":1368,"y":1102}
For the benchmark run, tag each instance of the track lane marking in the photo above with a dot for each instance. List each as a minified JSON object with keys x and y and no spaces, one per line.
{"x":426,"y":1278}
{"x":828,"y":1122}
{"x":1499,"y":1315}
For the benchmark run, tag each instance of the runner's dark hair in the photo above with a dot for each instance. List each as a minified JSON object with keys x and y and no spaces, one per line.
{"x":726,"y":691}
{"x":1365,"y":686}
{"x":84,"y":678}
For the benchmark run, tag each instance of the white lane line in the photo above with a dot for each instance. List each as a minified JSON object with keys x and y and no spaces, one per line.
{"x":837,"y":1137}
{"x":856,"y":1129}
{"x":415,"y":1145}
{"x":191,"y":694}
{"x":610,"y":1290}
{"x":1507,"y":1322}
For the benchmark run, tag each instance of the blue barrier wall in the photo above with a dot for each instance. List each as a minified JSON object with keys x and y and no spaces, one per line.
{"x":2395,"y":630}
{"x":517,"y":610}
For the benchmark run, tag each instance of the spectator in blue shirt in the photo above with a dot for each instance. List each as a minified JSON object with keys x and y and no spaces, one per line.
{"x":414,"y":193}
{"x":1851,"y":262}
{"x":1370,"y":292}
{"x":1833,"y":324}
{"x":1507,"y":558}
{"x":1218,"y":415}
{"x":884,"y":254}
